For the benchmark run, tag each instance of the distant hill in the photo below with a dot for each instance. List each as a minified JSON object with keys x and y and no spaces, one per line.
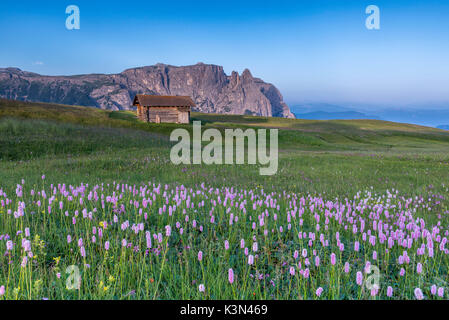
{"x":210,"y":88}
{"x":423,"y":116}
{"x":314,"y":107}
{"x":432,"y":115}
{"x":347,"y":115}
{"x":327,"y":111}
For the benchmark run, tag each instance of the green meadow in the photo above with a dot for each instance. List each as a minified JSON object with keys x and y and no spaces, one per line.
{"x":95,"y":191}
{"x":77,"y":144}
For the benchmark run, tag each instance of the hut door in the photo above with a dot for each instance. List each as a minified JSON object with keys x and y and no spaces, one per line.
{"x":147,"y":114}
{"x":158,"y":119}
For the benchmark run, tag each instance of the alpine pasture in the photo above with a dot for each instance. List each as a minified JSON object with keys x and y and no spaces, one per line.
{"x":92,"y":208}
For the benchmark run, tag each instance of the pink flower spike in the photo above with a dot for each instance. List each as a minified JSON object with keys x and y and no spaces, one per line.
{"x":333,"y":259}
{"x":359,"y":278}
{"x":418,"y":294}
{"x":231,"y":276}
{"x":389,"y":292}
{"x":292,"y":271}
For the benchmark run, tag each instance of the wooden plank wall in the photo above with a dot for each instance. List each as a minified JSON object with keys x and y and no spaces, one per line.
{"x":185,"y":111}
{"x":166,"y":114}
{"x":141,"y":113}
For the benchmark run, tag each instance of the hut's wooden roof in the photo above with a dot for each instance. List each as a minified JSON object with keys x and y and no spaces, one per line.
{"x":146,"y":100}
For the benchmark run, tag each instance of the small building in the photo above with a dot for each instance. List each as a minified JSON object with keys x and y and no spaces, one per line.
{"x":159,"y":109}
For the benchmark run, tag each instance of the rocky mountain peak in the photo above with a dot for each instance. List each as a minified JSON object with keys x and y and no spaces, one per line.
{"x":247,"y":74}
{"x":212,"y":90}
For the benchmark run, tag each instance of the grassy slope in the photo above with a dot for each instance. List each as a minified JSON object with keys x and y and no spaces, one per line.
{"x":73,"y":144}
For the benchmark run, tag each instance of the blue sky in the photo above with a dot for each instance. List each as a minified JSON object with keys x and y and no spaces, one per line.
{"x":313,"y":50}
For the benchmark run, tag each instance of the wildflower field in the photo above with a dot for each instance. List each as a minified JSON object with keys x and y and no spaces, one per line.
{"x":92,"y":208}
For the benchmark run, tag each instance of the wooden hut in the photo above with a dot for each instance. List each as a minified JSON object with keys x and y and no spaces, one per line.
{"x":158,"y":109}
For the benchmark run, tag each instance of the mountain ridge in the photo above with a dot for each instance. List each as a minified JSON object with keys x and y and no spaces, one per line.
{"x":209,"y":86}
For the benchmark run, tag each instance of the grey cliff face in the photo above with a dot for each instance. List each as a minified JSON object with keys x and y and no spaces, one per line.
{"x":212,"y":90}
